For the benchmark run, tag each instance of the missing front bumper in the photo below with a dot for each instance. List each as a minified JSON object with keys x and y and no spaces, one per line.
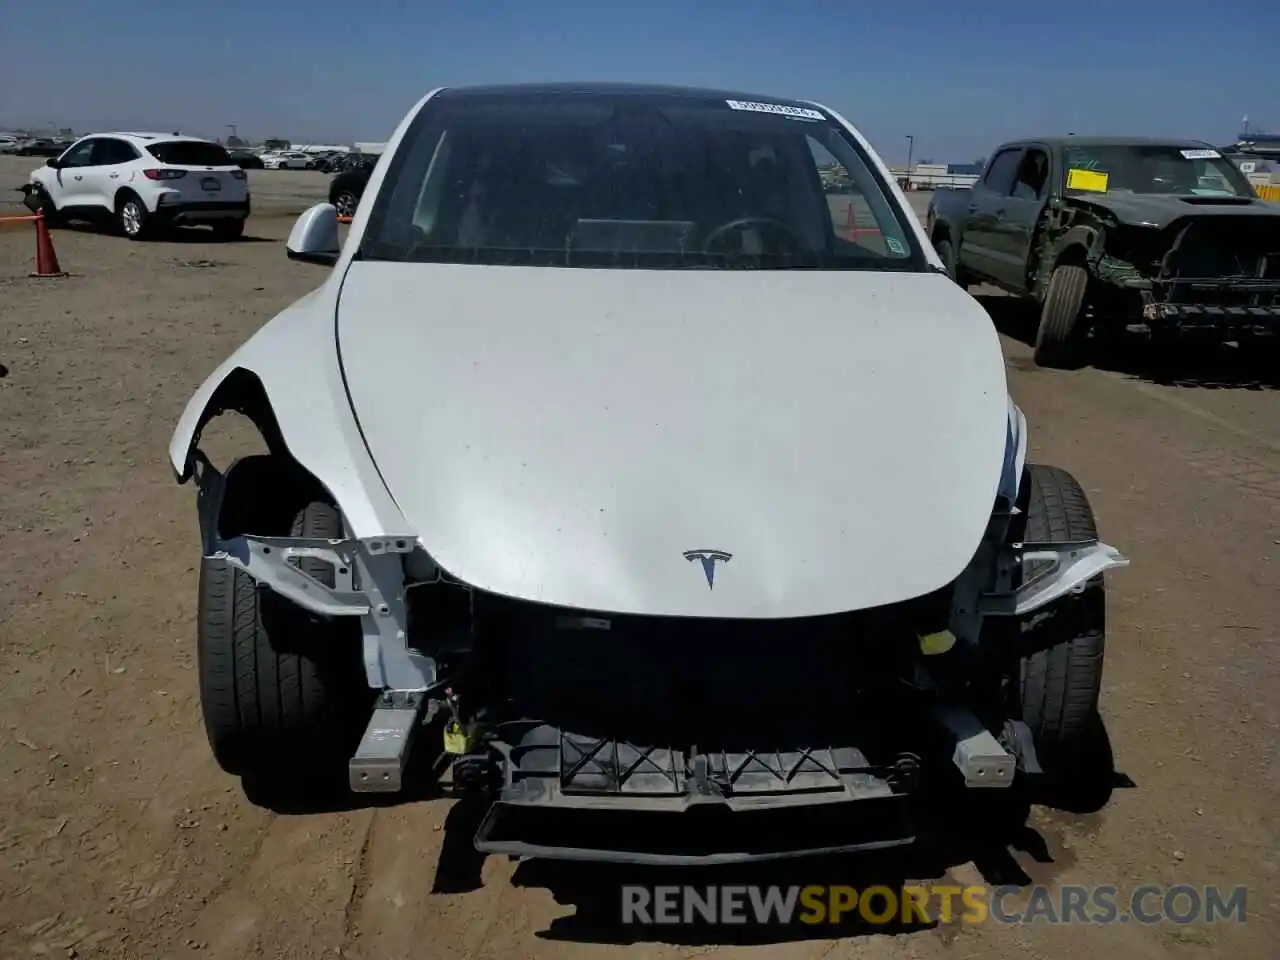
{"x":570,"y":797}
{"x":699,"y":836}
{"x":1209,"y":316}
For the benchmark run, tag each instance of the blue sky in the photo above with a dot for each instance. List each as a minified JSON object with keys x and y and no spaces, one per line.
{"x":959,"y":77}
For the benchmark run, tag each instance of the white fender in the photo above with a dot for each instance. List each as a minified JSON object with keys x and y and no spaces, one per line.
{"x":295,"y":358}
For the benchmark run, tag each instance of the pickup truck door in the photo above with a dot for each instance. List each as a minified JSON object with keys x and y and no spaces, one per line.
{"x":1017,"y":216}
{"x":980,"y":251}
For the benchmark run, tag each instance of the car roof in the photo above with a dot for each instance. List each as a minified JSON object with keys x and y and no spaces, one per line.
{"x":613,"y":90}
{"x":144,"y":138}
{"x":1111,"y":141}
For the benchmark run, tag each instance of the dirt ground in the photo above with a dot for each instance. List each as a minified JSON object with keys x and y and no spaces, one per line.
{"x":120,"y":838}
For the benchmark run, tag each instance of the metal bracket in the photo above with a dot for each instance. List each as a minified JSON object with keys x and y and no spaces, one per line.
{"x":1069,"y":568}
{"x":1018,"y":740}
{"x":369,"y":583}
{"x":379,"y":762}
{"x":978,"y":755}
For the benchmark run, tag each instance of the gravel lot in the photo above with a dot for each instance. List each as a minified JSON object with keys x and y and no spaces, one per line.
{"x":122,"y":839}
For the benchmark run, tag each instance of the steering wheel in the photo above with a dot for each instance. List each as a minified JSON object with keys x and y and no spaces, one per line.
{"x":742,"y":223}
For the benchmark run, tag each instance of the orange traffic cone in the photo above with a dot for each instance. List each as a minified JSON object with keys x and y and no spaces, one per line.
{"x":46,"y":256}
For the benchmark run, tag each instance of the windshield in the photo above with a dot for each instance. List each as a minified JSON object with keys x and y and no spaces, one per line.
{"x":631,"y":180}
{"x":1154,"y":168}
{"x":190,"y":153}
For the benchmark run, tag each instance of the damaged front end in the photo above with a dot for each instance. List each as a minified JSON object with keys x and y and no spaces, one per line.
{"x":819,"y":729}
{"x":1217,"y":274}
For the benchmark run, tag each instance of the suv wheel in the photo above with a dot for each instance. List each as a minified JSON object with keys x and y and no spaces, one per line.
{"x":133,"y":217}
{"x":228,"y":229}
{"x":346,"y":203}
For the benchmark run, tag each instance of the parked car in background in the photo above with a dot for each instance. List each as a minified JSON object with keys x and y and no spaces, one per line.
{"x":246,"y":160}
{"x":142,"y":182}
{"x":8,"y":144}
{"x":333,"y":162}
{"x":39,"y":147}
{"x":346,"y":189}
{"x":1107,"y":233}
{"x":287,"y":160}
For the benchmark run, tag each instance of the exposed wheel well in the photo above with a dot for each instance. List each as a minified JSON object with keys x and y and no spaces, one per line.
{"x":940,"y":232}
{"x":261,"y":493}
{"x":242,"y":392}
{"x":123,"y":194}
{"x":256,"y":485}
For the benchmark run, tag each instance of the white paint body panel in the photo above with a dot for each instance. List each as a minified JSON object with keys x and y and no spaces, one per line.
{"x":293,"y":356}
{"x":564,"y":435}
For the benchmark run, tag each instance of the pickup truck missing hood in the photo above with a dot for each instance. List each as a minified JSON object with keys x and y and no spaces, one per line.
{"x":608,"y":456}
{"x":1107,"y":233}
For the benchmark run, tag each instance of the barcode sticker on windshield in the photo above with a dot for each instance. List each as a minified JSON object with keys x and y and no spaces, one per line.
{"x":1200,"y":154}
{"x":778,"y":109}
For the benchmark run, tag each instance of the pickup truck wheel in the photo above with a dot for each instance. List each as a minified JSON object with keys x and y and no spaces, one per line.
{"x":1060,"y":667}
{"x":1058,"y":335}
{"x":282,"y":690}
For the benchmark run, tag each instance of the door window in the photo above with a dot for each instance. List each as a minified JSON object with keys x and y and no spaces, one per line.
{"x":81,"y":155}
{"x":108,"y":152}
{"x":1033,"y":175}
{"x":999,"y":176}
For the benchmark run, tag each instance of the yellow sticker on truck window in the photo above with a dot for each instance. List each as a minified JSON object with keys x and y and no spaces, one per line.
{"x":1086,"y":180}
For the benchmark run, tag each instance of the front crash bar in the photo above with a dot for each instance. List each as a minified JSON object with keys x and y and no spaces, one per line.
{"x":368,"y":583}
{"x":267,"y":560}
{"x":1069,"y":566}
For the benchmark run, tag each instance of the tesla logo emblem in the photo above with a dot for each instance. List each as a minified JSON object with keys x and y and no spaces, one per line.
{"x":709,"y":559}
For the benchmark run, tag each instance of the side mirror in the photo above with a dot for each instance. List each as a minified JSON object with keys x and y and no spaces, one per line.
{"x":52,"y":162}
{"x":314,"y":238}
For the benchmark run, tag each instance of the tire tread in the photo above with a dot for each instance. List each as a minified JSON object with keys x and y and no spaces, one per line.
{"x":1062,"y":673}
{"x":1059,"y":318}
{"x":280,"y":688}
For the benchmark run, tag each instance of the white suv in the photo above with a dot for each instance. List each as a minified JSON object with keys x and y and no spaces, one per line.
{"x":287,"y":160}
{"x":144,"y":181}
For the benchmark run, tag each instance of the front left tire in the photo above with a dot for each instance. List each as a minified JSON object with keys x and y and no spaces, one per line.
{"x":282,"y":690}
{"x":1057,"y":342}
{"x":1062,"y":647}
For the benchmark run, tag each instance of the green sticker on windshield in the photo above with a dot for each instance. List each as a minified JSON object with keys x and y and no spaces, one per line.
{"x":895,"y":246}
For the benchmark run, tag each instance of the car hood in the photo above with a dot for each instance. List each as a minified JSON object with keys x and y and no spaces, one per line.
{"x":1160,"y":210}
{"x":830,"y":441}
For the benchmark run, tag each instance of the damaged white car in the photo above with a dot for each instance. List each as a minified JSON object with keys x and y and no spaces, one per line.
{"x":638,"y":447}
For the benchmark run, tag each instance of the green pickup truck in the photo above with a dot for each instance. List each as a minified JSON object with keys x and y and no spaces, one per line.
{"x":1108,"y":233}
